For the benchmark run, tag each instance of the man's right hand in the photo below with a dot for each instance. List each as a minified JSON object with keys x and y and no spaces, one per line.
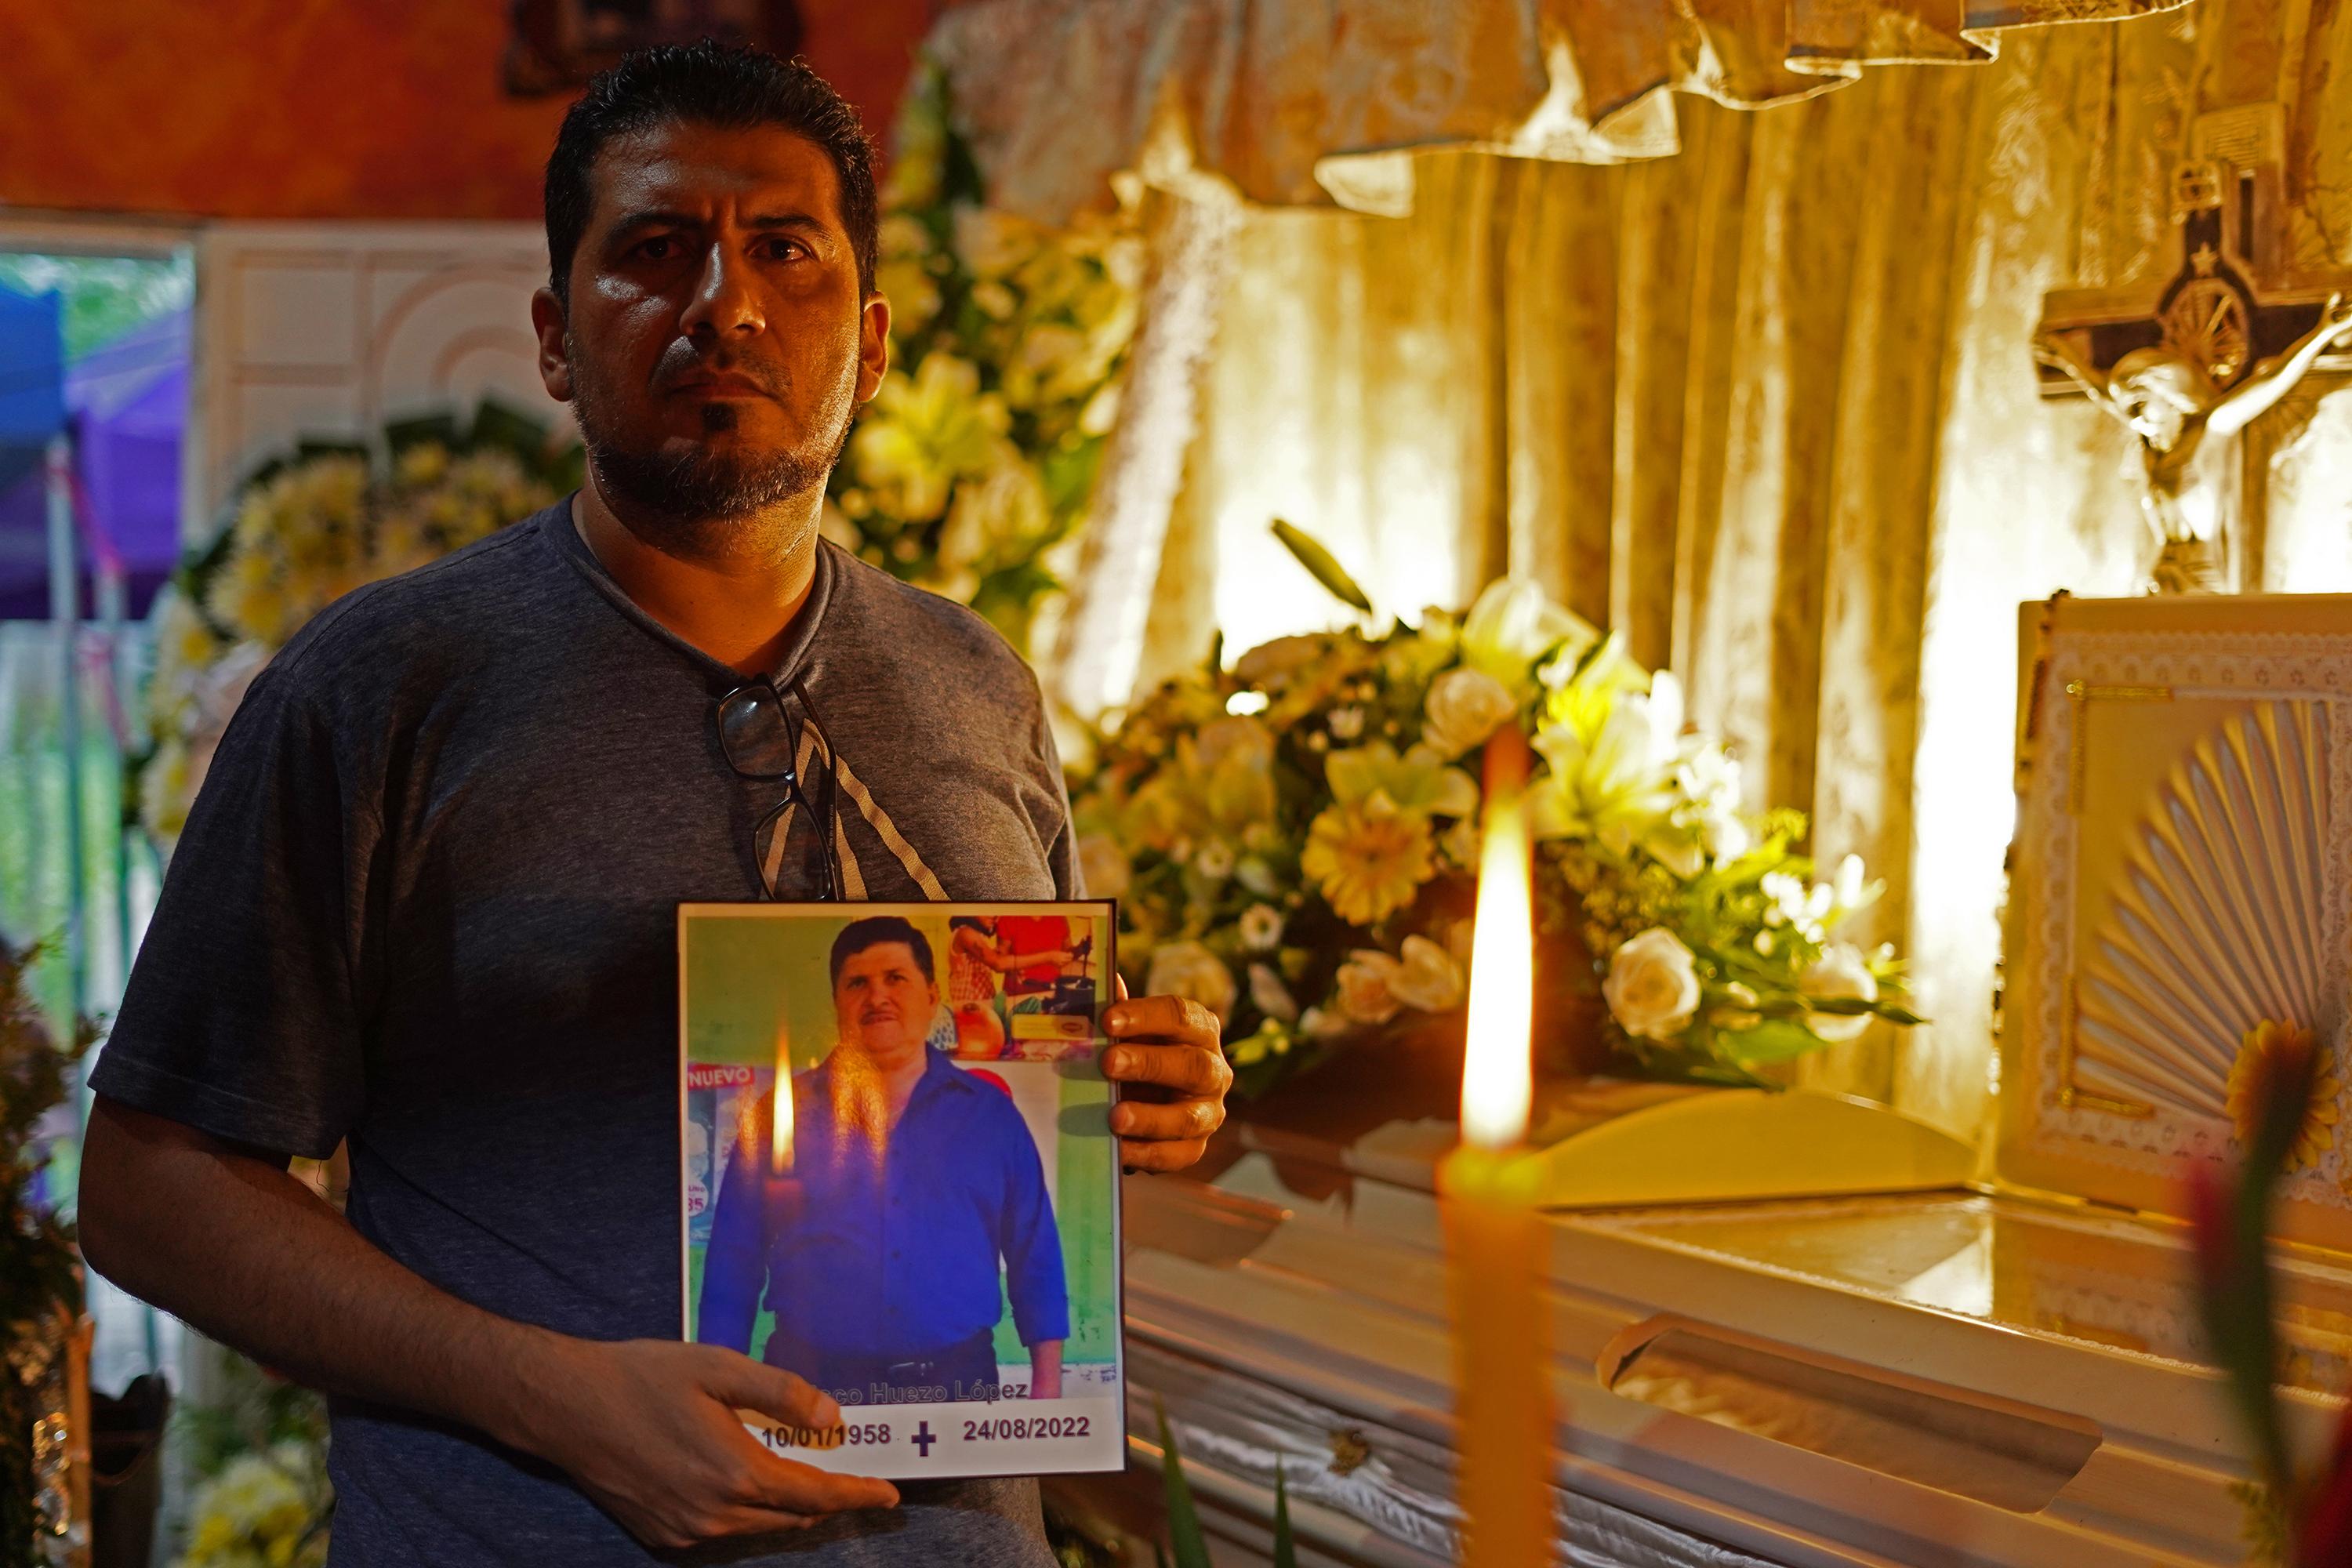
{"x":219,"y":1235}
{"x":647,"y":1428}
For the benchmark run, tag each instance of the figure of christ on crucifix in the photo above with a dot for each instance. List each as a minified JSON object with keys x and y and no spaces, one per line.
{"x":2187,"y":363}
{"x":2186,"y":427}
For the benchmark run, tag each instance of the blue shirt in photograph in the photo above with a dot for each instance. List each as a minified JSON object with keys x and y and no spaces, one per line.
{"x":894,"y":1251}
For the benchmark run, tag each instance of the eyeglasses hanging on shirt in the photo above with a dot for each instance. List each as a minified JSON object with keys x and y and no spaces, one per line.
{"x":763,"y":740}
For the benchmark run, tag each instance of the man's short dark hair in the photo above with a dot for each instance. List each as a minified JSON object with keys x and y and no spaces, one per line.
{"x":875,"y":931}
{"x":724,"y":85}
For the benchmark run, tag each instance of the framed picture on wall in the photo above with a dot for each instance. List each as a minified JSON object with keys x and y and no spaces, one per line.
{"x":557,"y":45}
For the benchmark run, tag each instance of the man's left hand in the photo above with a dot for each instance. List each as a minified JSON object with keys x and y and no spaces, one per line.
{"x":1168,"y":1055}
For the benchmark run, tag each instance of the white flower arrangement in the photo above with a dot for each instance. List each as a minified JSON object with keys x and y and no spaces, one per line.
{"x":303,"y":534}
{"x":263,"y":1510}
{"x":1294,"y":844}
{"x":970,"y":473}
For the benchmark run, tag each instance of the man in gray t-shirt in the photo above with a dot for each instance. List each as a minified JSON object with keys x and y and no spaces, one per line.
{"x":425,"y":904}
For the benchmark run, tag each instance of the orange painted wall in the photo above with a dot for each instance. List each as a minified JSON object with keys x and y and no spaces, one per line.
{"x":320,"y":109}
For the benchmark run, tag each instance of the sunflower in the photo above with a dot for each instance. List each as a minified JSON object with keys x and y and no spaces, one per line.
{"x":1369,"y":858}
{"x":2266,"y":1043}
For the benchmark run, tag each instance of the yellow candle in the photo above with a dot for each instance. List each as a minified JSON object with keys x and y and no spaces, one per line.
{"x":1496,"y":1241}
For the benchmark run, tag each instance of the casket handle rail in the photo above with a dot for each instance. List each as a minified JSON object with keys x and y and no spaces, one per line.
{"x":1994,"y":1450}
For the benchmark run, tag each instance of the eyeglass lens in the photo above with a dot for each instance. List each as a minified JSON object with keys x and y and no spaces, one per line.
{"x":774,"y":858}
{"x":760,"y":742}
{"x":754,"y":732}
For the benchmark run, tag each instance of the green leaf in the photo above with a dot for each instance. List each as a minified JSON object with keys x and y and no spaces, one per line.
{"x":568,"y":469}
{"x":1285,"y":1551}
{"x":1772,"y":1041}
{"x":1067,"y":473}
{"x":1321,"y":564}
{"x":402,"y":434}
{"x":502,"y":424}
{"x":1183,"y":1520}
{"x":1855,"y":1008}
{"x":311,"y":447}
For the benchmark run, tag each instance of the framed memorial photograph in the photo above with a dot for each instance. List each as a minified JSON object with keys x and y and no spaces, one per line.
{"x":899,"y":1179}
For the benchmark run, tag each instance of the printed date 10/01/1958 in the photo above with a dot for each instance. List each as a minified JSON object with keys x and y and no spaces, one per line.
{"x":850,"y":1435}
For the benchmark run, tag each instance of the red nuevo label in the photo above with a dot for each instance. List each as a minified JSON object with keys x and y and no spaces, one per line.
{"x":699,"y":1075}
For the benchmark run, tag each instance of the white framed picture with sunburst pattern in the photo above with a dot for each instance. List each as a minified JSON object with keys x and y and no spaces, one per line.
{"x":2178,"y":893}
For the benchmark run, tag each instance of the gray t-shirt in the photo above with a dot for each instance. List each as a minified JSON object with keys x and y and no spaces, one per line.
{"x":426,"y":903}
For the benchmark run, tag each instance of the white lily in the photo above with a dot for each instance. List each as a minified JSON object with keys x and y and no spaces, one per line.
{"x":1513,"y":626}
{"x":1619,"y":786}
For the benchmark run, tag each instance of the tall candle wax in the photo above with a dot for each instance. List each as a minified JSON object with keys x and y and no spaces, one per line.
{"x":1497,"y":1243}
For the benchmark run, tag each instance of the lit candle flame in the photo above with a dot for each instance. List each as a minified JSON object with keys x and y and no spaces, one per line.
{"x":1497,"y":1065}
{"x":780,"y":1152}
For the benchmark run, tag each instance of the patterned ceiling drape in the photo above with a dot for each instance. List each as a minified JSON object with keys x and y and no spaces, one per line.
{"x":1314,"y":102}
{"x":1767,"y":405}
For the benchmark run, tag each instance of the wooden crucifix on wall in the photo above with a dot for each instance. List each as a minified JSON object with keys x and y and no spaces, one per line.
{"x":2187,"y":363}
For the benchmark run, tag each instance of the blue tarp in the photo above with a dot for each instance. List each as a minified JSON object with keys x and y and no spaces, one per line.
{"x":32,"y":368}
{"x":32,"y":410}
{"x":126,"y":401}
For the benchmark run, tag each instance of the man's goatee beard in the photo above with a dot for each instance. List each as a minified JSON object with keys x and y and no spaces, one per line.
{"x":699,"y":487}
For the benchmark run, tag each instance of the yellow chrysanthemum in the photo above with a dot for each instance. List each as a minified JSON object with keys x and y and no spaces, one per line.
{"x":1369,"y":858}
{"x":421,"y":464}
{"x":2266,"y":1042}
{"x":248,"y":597}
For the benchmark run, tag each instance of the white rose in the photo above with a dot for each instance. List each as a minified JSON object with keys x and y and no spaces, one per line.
{"x":1463,"y":707}
{"x":1428,"y":979}
{"x":1363,"y":986}
{"x":1842,"y":973}
{"x":1103,"y":866}
{"x":1188,"y":969}
{"x":1652,"y":988}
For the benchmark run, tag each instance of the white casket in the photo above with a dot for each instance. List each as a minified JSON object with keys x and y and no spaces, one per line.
{"x":2004,"y":1373}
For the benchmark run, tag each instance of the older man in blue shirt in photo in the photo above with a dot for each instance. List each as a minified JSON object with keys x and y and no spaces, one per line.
{"x":911,"y":1179}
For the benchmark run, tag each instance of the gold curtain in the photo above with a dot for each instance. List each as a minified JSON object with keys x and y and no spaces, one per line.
{"x":1769,"y":407}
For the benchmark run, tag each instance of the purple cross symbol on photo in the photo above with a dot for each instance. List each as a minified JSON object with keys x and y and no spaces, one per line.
{"x":924,"y":1437}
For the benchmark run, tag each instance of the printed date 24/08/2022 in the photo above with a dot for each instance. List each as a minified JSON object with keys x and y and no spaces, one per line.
{"x":1021,"y":1428}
